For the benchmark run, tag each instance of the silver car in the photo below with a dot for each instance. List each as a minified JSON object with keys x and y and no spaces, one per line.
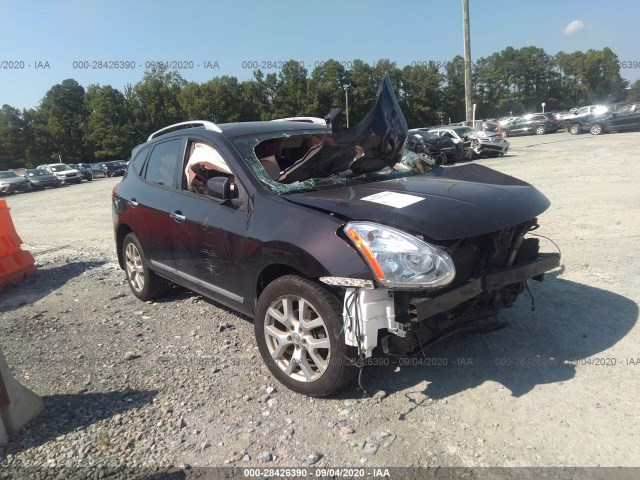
{"x":64,"y":172}
{"x":12,"y":182}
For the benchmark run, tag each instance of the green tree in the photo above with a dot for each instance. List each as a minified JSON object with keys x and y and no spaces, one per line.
{"x":421,"y":94}
{"x":592,"y":76}
{"x":453,"y":106}
{"x":257,"y":96}
{"x":218,"y":100}
{"x":108,"y":134}
{"x":363,"y":81}
{"x":290,"y":97}
{"x":61,"y":117}
{"x":326,"y":88}
{"x":12,"y":138}
{"x":154,"y":101}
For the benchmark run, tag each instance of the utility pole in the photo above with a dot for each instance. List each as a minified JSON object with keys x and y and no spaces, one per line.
{"x":346,"y":99}
{"x":467,"y":62}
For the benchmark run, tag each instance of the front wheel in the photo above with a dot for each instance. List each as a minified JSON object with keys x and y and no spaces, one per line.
{"x":574,"y":129}
{"x":596,"y":129}
{"x":299,"y":331}
{"x":145,"y":284}
{"x":540,"y":130}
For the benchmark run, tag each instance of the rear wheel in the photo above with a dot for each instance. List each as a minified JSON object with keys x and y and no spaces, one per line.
{"x":540,"y":130}
{"x":596,"y":129}
{"x":299,"y":331}
{"x":145,"y":284}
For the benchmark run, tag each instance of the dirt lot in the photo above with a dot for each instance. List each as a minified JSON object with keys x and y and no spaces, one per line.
{"x":180,"y":381}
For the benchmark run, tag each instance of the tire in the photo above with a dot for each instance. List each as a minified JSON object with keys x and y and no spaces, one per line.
{"x":596,"y":129}
{"x":284,"y":340}
{"x":574,"y":129}
{"x":505,"y":134}
{"x":90,"y":177}
{"x":468,"y":154}
{"x":540,"y":130}
{"x":145,"y":284}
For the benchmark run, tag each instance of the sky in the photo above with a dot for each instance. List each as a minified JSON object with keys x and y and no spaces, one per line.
{"x":44,"y":43}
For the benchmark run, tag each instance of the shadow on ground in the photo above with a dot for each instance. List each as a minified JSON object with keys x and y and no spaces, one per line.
{"x":573,"y":323}
{"x":65,"y":413}
{"x":45,"y":281}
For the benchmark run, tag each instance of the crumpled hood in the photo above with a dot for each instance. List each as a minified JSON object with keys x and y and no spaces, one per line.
{"x":443,"y":204}
{"x":375,"y":143}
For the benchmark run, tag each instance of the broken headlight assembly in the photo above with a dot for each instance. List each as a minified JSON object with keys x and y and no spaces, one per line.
{"x":398,"y":259}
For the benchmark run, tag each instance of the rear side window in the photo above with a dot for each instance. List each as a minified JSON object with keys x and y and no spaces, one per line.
{"x":164,"y":163}
{"x":138,"y":162}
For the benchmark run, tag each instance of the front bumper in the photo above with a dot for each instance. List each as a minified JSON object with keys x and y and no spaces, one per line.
{"x":423,"y":308}
{"x":500,"y":147}
{"x":15,"y":187}
{"x":406,"y":323}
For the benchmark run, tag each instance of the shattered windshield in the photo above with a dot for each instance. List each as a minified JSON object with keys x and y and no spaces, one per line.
{"x":316,"y":158}
{"x":269,"y":154}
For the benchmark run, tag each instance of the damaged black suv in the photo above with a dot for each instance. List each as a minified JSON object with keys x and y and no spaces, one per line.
{"x":336,"y":241}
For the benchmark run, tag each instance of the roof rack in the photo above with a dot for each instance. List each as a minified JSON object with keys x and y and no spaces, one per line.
{"x":192,"y":123}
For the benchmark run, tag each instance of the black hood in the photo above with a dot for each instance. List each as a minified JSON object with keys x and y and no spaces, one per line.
{"x":375,"y":143}
{"x":443,"y":204}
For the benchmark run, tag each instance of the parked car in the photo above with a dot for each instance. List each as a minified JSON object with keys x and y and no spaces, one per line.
{"x":98,"y":169}
{"x":474,"y":142}
{"x":328,"y":237}
{"x":41,"y":179}
{"x":114,"y":168}
{"x":624,"y":118}
{"x":436,"y":144}
{"x":84,"y":169}
{"x":578,"y":121}
{"x":63,"y":171}
{"x":11,"y":182}
{"x":538,"y":123}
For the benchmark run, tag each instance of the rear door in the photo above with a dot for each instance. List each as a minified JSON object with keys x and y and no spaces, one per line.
{"x":150,"y":204}
{"x":631,"y":118}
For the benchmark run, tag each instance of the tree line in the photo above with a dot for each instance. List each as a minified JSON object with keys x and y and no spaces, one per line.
{"x":100,"y":122}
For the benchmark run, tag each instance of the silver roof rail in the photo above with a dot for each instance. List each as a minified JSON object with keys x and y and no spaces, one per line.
{"x":204,"y":123}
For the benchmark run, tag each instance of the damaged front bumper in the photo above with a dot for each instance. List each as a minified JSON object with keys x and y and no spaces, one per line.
{"x":396,"y":317}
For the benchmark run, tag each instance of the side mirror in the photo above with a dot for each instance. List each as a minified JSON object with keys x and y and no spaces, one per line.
{"x":221,"y":189}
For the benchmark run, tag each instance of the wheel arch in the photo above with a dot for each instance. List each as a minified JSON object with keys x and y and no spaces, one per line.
{"x":122,"y":231}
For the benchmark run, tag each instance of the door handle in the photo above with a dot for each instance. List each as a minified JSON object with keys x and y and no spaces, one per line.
{"x":133,"y":202}
{"x":177,"y":216}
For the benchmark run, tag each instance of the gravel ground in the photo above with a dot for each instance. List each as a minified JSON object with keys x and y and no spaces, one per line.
{"x":179,"y":382}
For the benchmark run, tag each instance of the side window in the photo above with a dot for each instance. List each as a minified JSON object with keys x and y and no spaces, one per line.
{"x":202,"y":163}
{"x":138,"y":162}
{"x":163,"y":162}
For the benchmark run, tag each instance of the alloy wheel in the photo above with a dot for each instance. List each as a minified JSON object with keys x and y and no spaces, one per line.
{"x":135,"y":269}
{"x":297,"y":338}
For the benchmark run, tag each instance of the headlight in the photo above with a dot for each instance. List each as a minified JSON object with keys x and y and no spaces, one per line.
{"x":398,"y":259}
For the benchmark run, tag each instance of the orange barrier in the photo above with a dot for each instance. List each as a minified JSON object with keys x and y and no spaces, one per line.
{"x":15,"y":264}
